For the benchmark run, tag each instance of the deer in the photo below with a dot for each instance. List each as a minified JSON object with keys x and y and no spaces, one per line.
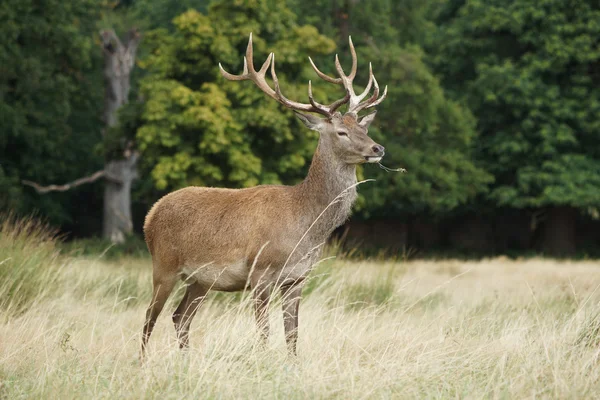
{"x":266,"y":238}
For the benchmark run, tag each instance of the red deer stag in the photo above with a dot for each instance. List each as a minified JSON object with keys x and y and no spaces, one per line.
{"x":266,"y":237}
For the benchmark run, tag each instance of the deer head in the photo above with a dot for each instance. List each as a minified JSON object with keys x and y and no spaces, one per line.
{"x":344,"y":135}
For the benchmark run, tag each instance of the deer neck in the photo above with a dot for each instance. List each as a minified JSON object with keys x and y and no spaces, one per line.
{"x":328,"y":178}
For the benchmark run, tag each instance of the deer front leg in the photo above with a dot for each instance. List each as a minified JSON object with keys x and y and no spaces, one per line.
{"x":291,"y":302}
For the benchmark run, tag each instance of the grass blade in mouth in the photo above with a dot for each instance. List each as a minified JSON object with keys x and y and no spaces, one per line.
{"x":383,"y":167}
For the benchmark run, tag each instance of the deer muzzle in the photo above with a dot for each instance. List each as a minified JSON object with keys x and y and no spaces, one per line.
{"x":378,"y":153}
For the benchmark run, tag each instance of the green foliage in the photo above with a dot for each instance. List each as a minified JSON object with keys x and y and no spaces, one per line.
{"x":199,"y":129}
{"x":378,"y":21}
{"x":529,"y":72}
{"x":49,"y":101}
{"x":514,"y":114}
{"x":153,"y":14}
{"x":423,"y":131}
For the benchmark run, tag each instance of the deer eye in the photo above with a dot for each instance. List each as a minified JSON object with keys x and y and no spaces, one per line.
{"x":342,"y":133}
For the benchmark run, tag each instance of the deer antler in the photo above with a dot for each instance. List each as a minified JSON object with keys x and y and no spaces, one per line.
{"x":259,"y":78}
{"x":355,"y":104}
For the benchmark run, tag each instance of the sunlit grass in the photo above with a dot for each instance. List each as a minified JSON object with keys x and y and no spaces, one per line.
{"x":420,"y":329}
{"x":29,"y":267}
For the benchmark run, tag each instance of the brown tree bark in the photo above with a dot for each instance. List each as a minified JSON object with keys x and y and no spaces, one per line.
{"x":559,"y":231}
{"x":119,"y":61}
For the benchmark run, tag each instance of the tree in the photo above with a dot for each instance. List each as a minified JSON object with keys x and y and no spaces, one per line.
{"x":153,"y":14}
{"x":49,"y":102}
{"x":377,"y":21}
{"x":530,"y":73}
{"x":426,"y":133}
{"x":197,"y":129}
{"x":120,"y":172}
{"x":422,"y":129}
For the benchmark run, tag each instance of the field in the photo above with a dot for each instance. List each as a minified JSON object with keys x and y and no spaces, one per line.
{"x":70,"y":328}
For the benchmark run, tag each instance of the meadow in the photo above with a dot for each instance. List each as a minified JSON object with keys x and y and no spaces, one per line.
{"x":70,"y":327}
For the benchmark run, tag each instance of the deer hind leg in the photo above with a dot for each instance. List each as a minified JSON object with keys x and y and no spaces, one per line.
{"x":185,"y":312}
{"x":290,"y":296}
{"x":161,"y":291}
{"x":261,"y":293}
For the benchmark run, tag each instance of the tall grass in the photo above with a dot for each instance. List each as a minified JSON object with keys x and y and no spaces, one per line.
{"x":29,"y":263}
{"x":420,"y":329}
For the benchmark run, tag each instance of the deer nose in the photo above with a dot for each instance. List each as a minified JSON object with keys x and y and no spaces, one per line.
{"x":378,"y":149}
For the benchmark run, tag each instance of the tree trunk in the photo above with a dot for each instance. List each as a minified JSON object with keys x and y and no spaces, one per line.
{"x":119,"y":60}
{"x":558,"y":231}
{"x":120,"y":174}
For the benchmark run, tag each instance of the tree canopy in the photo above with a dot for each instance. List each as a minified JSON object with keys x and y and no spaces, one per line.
{"x":492,"y":105}
{"x":422,"y":129}
{"x":198,"y":129}
{"x":49,"y":100}
{"x":529,"y":72}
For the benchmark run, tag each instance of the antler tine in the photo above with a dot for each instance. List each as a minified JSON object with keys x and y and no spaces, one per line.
{"x":369,"y":84}
{"x":259,"y":78}
{"x":336,"y":104}
{"x":347,"y":80}
{"x":249,"y":73}
{"x":275,"y":80}
{"x":340,"y":71}
{"x":375,"y":103}
{"x":370,"y":100}
{"x":354,"y":60}
{"x":327,"y":110}
{"x":355,"y":100}
{"x":333,"y":106}
{"x":245,"y":70}
{"x":373,"y":100}
{"x":248,"y":62}
{"x":355,"y":104}
{"x":265,"y":66}
{"x":323,"y":76}
{"x":313,"y":107}
{"x":249,"y":54}
{"x":232,"y":77}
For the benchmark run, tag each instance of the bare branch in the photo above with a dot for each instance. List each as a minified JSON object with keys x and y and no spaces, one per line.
{"x":63,"y":188}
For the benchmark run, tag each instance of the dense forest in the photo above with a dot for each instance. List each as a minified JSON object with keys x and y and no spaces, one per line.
{"x":493,"y":109}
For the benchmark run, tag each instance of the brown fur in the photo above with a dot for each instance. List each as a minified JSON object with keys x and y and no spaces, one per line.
{"x":267,"y":237}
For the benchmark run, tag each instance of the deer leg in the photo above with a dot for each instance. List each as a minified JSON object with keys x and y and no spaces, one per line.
{"x":185,"y":312}
{"x":261,"y":294}
{"x":290,"y":296}
{"x":161,"y":291}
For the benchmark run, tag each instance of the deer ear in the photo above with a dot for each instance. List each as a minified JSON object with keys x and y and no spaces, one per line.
{"x":367,"y":119}
{"x":311,"y":121}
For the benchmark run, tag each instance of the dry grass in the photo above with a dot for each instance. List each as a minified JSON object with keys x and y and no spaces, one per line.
{"x":446,"y":329}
